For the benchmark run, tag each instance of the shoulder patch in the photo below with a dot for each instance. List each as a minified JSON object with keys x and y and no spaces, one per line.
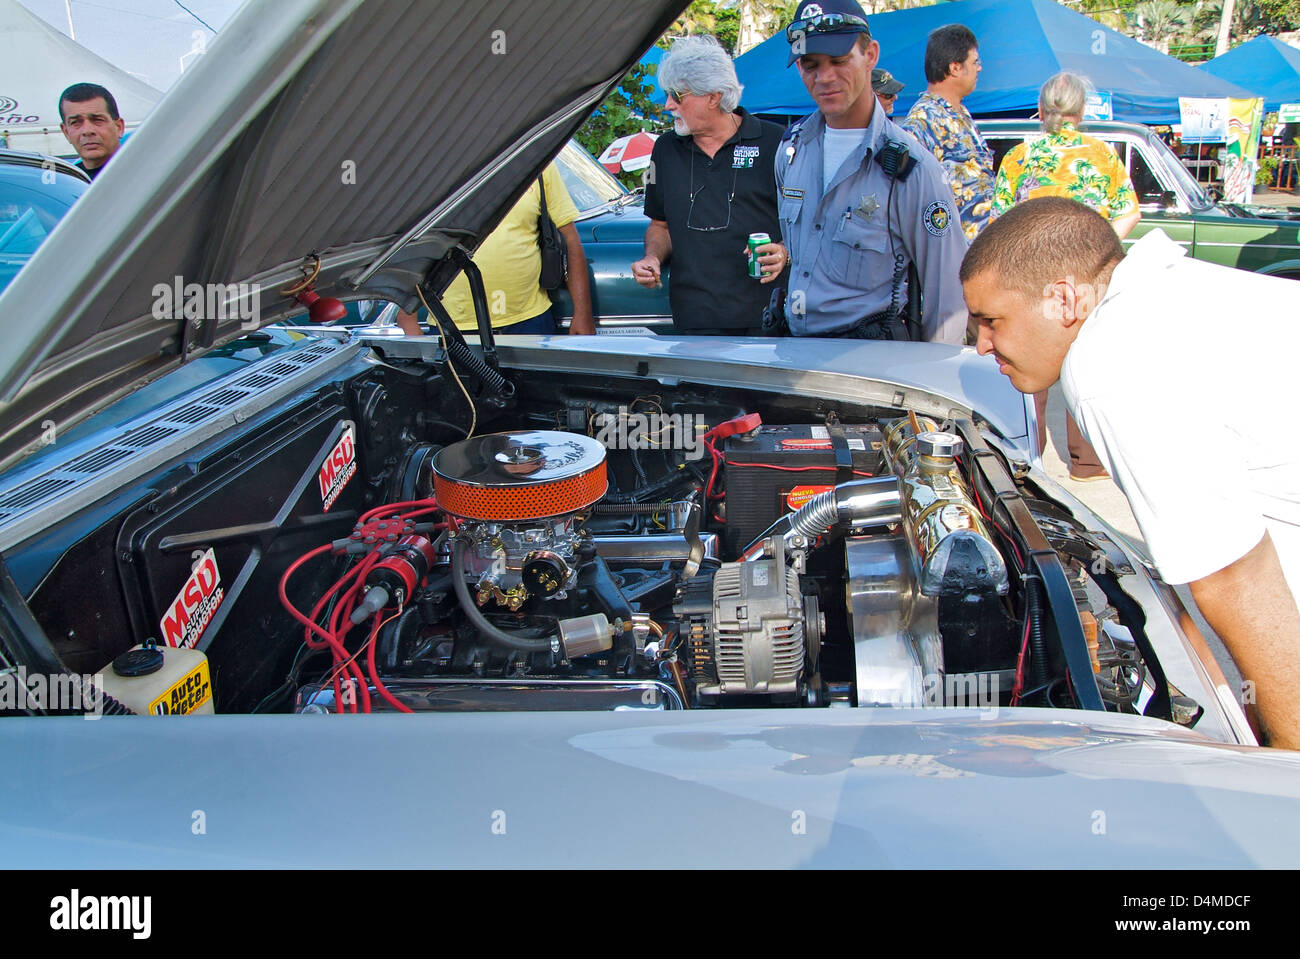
{"x":937,"y":218}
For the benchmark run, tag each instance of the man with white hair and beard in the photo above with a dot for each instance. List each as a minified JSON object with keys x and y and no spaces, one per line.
{"x":710,"y":186}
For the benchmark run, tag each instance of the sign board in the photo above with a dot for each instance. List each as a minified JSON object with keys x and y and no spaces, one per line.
{"x":1098,"y":107}
{"x":1205,"y":120}
{"x":1288,"y":113}
{"x":1239,"y":168}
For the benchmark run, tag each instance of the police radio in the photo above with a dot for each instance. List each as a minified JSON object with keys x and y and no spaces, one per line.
{"x":895,"y":159}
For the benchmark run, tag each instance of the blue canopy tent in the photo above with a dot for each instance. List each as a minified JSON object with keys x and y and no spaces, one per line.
{"x":651,"y":62}
{"x":1266,"y":65}
{"x":1022,"y":43}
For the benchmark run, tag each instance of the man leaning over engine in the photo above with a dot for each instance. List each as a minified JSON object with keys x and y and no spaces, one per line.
{"x":1137,"y":342}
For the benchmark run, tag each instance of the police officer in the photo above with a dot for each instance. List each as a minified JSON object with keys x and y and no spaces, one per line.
{"x":859,"y":199}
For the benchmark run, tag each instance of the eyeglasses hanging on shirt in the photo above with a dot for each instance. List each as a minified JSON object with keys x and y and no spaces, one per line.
{"x":690,"y":212}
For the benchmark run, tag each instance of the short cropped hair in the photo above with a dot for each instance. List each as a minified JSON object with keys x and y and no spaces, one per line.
{"x":81,"y":92}
{"x":1062,"y":97}
{"x":698,"y":64}
{"x":1040,"y":241}
{"x":946,"y":46}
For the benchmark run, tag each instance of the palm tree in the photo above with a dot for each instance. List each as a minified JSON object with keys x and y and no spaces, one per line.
{"x":1159,"y":21}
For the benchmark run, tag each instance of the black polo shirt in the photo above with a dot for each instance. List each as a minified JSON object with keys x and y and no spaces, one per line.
{"x":708,"y":285}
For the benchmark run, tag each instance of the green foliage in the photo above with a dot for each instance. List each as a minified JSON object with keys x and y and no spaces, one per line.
{"x":1267,"y":167}
{"x":625,"y":111}
{"x":1160,"y":19}
{"x":1278,"y":16}
{"x":726,"y":28}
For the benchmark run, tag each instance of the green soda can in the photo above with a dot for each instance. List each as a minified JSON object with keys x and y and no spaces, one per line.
{"x":755,"y":241}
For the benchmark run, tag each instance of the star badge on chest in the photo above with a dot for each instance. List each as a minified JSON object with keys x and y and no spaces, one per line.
{"x":868,"y":205}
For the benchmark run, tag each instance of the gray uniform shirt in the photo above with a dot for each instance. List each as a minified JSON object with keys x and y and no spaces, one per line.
{"x":838,"y":235}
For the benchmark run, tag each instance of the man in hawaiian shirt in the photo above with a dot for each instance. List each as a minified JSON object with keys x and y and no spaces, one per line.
{"x":1067,"y":163}
{"x":945,"y":127}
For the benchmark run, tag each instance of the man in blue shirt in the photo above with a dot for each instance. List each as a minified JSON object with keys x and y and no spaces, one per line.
{"x":90,"y":122}
{"x":859,"y":199}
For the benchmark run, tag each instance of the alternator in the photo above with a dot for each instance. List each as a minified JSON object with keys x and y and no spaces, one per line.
{"x":745,"y":628}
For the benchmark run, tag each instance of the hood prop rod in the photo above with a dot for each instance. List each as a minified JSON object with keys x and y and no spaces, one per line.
{"x":478,"y":293}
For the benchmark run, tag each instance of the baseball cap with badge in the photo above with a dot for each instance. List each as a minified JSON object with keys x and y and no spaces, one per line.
{"x":825,"y":26}
{"x":883,"y":83}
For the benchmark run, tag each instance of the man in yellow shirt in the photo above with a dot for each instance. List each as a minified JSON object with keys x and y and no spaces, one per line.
{"x":510,"y":260}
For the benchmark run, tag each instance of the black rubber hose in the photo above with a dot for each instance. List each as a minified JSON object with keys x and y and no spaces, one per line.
{"x":493,"y":380}
{"x":492,"y":634}
{"x":645,"y":492}
{"x":108,"y":705}
{"x":1037,"y":646}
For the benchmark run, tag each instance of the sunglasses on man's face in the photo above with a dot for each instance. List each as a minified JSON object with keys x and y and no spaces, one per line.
{"x":678,"y":95}
{"x":826,"y":23}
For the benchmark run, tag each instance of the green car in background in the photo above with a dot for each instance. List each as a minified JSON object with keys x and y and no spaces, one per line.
{"x":1260,"y":239}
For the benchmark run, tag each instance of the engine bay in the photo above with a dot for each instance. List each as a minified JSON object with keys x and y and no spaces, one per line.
{"x":592,"y":544}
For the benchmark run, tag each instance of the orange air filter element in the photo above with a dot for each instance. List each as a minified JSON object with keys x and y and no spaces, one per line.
{"x":527,"y":475}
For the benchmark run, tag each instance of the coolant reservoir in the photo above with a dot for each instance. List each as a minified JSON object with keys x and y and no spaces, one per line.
{"x":160,"y":681}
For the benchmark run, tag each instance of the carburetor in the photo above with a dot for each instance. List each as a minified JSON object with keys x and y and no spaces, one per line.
{"x":518,"y":496}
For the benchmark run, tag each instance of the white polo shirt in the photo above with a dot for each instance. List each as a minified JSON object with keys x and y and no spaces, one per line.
{"x":1185,"y":380}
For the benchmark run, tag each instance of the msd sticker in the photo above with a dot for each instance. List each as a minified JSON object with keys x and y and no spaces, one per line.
{"x":195,"y":605}
{"x":338,"y":468}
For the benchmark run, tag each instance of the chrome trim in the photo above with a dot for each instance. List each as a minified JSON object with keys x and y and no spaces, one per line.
{"x":895,"y":629}
{"x":653,"y":549}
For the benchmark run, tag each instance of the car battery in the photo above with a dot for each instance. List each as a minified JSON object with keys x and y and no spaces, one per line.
{"x":779,"y":468}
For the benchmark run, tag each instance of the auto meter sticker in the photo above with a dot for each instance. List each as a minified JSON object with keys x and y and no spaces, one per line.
{"x":802,"y":494}
{"x":338,"y":468}
{"x":195,"y":605}
{"x":189,"y":693}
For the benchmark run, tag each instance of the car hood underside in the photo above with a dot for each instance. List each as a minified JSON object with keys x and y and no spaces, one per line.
{"x":375,"y":134}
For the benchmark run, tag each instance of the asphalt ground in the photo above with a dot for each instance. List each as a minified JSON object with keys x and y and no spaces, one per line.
{"x":1276,"y":198}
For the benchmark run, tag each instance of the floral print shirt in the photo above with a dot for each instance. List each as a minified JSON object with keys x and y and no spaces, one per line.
{"x":1069,"y":164}
{"x":948,"y":131}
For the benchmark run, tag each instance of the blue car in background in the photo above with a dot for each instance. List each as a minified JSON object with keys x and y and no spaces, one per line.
{"x":35,"y":193}
{"x":612,"y":225}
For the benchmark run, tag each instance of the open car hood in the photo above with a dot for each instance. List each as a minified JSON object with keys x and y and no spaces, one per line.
{"x":376,"y":134}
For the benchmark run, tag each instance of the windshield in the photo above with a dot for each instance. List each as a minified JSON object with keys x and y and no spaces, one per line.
{"x":589,"y":183}
{"x":32,"y":201}
{"x":1196,"y":195}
